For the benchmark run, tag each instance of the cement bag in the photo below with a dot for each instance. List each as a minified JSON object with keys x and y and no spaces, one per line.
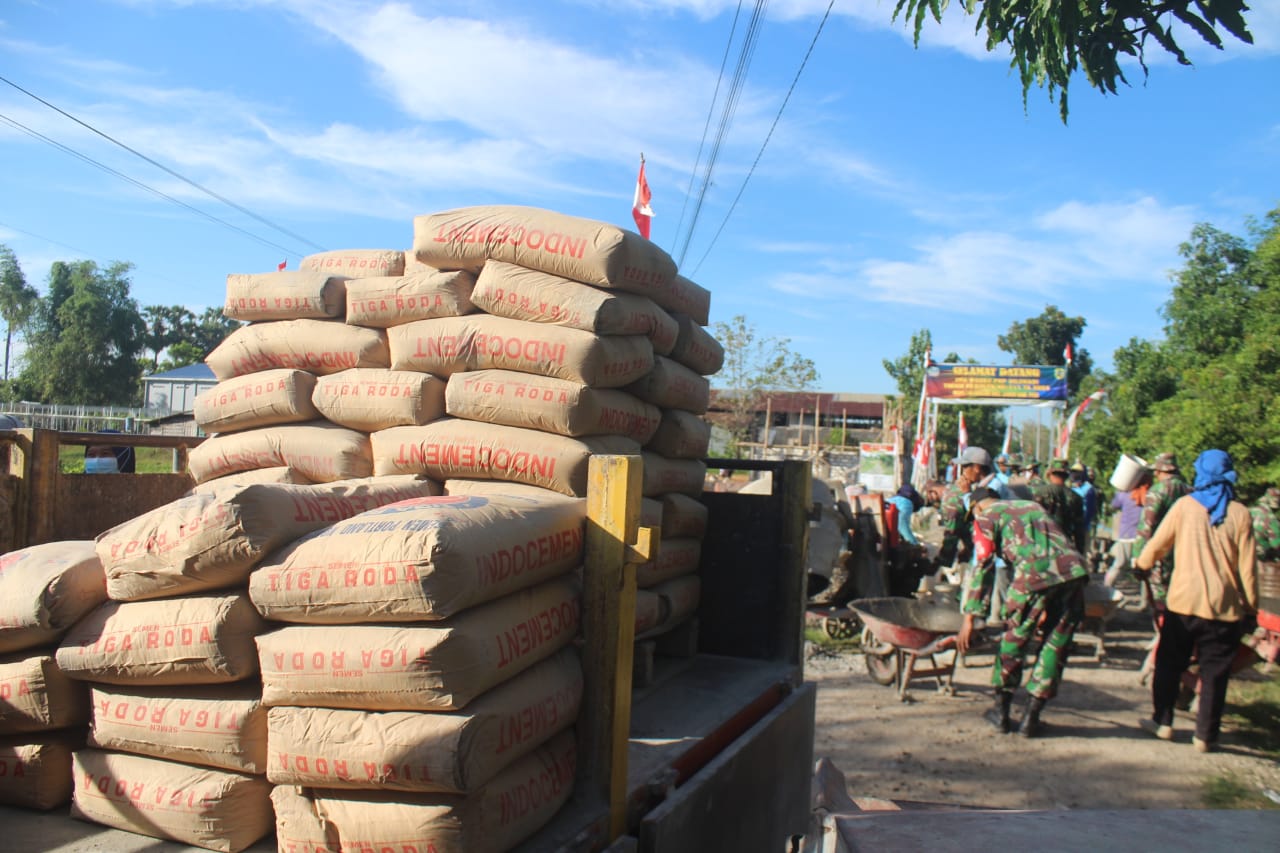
{"x":199,"y":639}
{"x":285,"y":295}
{"x":455,"y":344}
{"x":686,"y":297}
{"x":676,"y":557}
{"x":581,"y":249}
{"x":223,"y":726}
{"x":681,"y":435}
{"x":316,"y":346}
{"x":696,"y":349}
{"x":423,"y":559}
{"x":502,"y":488}
{"x":663,"y":475}
{"x":35,"y":773}
{"x":438,"y":667}
{"x":412,"y":751}
{"x":649,"y":611}
{"x":549,"y":405}
{"x":452,"y":447}
{"x":280,"y":396}
{"x":507,"y":290}
{"x":683,"y":516}
{"x":511,"y":808}
{"x":281,"y":474}
{"x":211,"y":540}
{"x":213,"y":809}
{"x":320,"y":451}
{"x":374,"y":398}
{"x":36,"y":696}
{"x":671,"y":385}
{"x":45,"y":589}
{"x":650,"y":512}
{"x":387,"y":301}
{"x":356,"y":263}
{"x":680,"y":597}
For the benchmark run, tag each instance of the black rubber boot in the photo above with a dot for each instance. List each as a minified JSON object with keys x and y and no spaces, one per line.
{"x":1031,"y":725}
{"x":998,"y":714}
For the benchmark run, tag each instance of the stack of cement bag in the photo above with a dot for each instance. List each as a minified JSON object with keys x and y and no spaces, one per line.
{"x":177,"y":739}
{"x":590,"y":343}
{"x":424,"y":697}
{"x":299,"y":389}
{"x":44,"y":590}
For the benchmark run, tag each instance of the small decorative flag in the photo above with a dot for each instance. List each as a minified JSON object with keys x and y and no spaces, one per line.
{"x":641,"y":212}
{"x":1007,"y":447}
{"x":1064,"y":438}
{"x":963,"y":441}
{"x":280,"y":266}
{"x":1067,"y":353}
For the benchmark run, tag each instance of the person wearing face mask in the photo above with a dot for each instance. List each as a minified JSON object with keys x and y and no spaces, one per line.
{"x":106,"y":459}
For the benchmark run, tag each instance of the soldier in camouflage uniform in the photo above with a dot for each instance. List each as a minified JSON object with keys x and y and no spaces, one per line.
{"x":1062,"y":503}
{"x":956,"y":541}
{"x":1047,"y":594}
{"x":1164,"y":492}
{"x":1266,"y":527}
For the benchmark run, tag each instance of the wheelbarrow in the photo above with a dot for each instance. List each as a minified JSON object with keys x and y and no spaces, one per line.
{"x":1100,"y":604}
{"x":900,"y":632}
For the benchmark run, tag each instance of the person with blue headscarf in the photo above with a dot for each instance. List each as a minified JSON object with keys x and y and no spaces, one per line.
{"x":1212,"y":591}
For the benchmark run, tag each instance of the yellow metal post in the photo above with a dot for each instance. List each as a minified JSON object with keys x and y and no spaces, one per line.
{"x":613,"y":545}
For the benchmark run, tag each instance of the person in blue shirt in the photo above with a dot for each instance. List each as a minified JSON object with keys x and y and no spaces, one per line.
{"x":907,"y":500}
{"x":1081,"y":486}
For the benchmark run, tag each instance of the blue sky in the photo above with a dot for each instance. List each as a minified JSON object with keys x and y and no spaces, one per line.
{"x":903,"y":188}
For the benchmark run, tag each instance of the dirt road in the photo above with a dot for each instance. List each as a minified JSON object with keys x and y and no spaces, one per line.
{"x":937,"y":748}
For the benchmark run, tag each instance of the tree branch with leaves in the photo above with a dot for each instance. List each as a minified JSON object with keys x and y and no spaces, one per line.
{"x":1051,"y":40}
{"x":754,"y":365}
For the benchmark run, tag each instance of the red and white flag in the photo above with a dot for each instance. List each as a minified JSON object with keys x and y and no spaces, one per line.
{"x":1064,"y":438}
{"x":280,"y":266}
{"x":1067,"y":352}
{"x":1008,"y":437}
{"x":962,"y":441}
{"x":641,"y":212}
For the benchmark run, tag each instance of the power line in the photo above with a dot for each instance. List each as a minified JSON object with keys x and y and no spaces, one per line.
{"x":745,"y":55}
{"x":166,"y":169}
{"x":87,"y":159}
{"x":767,"y":137}
{"x":706,"y":126}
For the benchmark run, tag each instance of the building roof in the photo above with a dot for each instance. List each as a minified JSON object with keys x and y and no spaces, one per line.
{"x":853,"y":405}
{"x":191,"y":373}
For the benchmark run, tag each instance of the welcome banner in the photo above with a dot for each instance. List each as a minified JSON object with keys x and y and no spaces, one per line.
{"x":995,"y":382}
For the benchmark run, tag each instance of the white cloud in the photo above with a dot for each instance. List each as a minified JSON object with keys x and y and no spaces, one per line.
{"x":1134,"y":240}
{"x":1075,"y":245}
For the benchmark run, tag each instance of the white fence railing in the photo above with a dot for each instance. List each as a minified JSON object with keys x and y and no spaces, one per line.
{"x":78,"y":418}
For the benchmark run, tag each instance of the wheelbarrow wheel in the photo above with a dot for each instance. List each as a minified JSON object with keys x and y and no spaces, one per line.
{"x":840,"y":629}
{"x":881,"y":659}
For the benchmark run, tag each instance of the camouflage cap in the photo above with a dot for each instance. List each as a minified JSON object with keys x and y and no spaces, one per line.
{"x":1167,"y":462}
{"x":1031,"y":465}
{"x":1058,"y":466}
{"x":1271,"y":500}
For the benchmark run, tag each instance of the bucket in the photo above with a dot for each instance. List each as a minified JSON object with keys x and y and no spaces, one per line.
{"x":1128,"y":473}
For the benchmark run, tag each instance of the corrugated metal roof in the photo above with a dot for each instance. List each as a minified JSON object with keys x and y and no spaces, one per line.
{"x":190,"y":373}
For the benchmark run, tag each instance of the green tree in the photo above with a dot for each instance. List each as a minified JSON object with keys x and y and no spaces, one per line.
{"x":165,"y":326}
{"x":1215,"y":379}
{"x":1044,"y":339}
{"x":753,"y":366}
{"x":211,"y":328}
{"x":1050,"y":40}
{"x":17,"y":299}
{"x":86,"y":336}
